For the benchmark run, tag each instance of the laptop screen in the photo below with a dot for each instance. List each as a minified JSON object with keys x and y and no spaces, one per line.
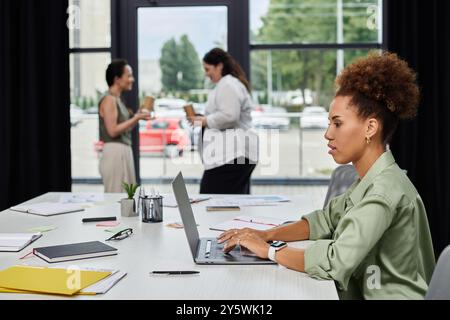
{"x":187,"y":216}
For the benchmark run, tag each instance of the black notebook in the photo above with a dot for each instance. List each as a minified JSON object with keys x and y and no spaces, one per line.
{"x":74,"y":251}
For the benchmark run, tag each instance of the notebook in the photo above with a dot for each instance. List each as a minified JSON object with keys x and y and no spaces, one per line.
{"x":14,"y":242}
{"x":74,"y":251}
{"x":48,"y":208}
{"x":30,"y":279}
{"x":258,"y":223}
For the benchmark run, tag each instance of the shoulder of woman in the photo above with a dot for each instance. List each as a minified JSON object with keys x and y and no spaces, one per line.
{"x":108,"y":98}
{"x":393,"y":185}
{"x":230,"y":82}
{"x":108,"y":102}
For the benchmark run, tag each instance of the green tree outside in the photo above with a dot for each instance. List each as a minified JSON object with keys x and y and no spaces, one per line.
{"x":189,"y":66}
{"x":307,"y":21}
{"x":180,"y":66}
{"x":169,"y":65}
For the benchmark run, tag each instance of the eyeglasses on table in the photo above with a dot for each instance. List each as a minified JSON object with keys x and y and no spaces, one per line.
{"x":121,"y":234}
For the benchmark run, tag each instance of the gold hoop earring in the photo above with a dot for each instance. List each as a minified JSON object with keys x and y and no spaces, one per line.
{"x":368,"y":140}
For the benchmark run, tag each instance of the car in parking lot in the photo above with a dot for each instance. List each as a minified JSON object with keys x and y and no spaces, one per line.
{"x":169,"y":104}
{"x":268,"y":117}
{"x":314,"y":117}
{"x":159,"y":136}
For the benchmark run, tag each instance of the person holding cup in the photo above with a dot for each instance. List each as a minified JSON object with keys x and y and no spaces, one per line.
{"x":149,"y":105}
{"x":228,"y":147}
{"x":115,"y":125}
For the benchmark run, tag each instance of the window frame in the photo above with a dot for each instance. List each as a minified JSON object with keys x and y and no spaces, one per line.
{"x":90,"y":50}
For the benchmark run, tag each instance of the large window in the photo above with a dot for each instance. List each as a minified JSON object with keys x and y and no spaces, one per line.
{"x":90,"y":52}
{"x":297,"y":49}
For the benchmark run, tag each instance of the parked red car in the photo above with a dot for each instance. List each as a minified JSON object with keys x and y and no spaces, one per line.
{"x":161,"y":135}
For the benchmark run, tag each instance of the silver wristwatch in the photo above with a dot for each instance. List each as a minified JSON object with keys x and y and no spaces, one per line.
{"x":274,"y":247}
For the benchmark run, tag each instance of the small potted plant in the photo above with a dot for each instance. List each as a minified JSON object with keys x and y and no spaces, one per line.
{"x":127,"y":205}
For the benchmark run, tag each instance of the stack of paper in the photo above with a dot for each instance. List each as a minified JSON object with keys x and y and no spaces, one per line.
{"x":58,"y":280}
{"x":104,"y":285}
{"x":258,"y":223}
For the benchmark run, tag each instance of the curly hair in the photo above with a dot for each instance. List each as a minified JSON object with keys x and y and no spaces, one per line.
{"x":382,"y":86}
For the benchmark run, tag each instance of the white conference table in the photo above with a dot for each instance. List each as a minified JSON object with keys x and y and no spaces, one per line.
{"x":154,"y":246}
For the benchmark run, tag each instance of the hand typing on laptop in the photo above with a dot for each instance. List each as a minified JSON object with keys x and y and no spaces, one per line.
{"x":253,"y":240}
{"x":207,"y":250}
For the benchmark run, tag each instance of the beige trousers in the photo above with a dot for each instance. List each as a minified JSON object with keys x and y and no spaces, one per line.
{"x":116,"y":166}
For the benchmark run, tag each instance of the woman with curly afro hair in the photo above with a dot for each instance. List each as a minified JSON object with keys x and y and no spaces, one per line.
{"x":374,"y":240}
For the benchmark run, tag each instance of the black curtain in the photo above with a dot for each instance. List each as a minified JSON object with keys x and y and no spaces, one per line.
{"x":419,"y":31}
{"x":34,"y":99}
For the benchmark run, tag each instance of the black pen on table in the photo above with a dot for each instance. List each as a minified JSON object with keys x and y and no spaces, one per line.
{"x":98,"y":219}
{"x":175,"y":272}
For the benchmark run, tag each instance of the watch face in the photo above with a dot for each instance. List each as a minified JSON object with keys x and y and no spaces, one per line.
{"x":278,"y":244}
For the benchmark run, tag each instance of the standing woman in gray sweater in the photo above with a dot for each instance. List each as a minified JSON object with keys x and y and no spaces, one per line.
{"x":228,"y":148}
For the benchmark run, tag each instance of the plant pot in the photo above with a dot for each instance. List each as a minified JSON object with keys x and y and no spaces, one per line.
{"x":128,"y":208}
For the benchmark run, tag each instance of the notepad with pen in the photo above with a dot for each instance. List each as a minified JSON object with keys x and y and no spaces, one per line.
{"x":258,"y":223}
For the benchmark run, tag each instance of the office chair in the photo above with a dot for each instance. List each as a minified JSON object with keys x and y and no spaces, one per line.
{"x":439,"y":288}
{"x":341,"y":179}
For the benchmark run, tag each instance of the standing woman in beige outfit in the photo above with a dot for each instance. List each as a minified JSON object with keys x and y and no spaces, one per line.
{"x":115,"y":125}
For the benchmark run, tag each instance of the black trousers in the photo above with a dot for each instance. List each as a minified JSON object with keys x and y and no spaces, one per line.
{"x":231,"y":178}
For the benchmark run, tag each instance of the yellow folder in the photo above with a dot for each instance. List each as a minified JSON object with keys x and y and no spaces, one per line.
{"x":27,"y":279}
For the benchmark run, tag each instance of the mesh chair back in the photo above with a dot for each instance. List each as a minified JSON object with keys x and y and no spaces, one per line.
{"x":341,"y":179}
{"x":439,"y":288}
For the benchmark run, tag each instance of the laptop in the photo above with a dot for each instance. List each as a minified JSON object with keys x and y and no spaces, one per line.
{"x":206,"y":250}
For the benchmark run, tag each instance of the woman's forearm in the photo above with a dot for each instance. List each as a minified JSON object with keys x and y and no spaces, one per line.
{"x":292,"y":232}
{"x":291,"y":258}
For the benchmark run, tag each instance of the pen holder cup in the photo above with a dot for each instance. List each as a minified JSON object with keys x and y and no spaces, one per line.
{"x":152,"y":209}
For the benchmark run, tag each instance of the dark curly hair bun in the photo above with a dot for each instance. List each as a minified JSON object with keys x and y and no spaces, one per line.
{"x":382,"y":78}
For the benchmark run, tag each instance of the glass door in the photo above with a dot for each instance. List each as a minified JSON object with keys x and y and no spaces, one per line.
{"x":171,"y":43}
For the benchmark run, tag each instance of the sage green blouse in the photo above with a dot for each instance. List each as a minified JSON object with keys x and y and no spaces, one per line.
{"x":374,"y":240}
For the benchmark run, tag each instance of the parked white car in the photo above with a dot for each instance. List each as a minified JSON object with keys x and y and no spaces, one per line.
{"x":169,"y":103}
{"x":271,"y":118}
{"x":314,"y":118}
{"x":298,"y":100}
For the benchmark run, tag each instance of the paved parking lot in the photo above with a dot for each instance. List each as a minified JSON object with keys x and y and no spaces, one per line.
{"x":288,"y":154}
